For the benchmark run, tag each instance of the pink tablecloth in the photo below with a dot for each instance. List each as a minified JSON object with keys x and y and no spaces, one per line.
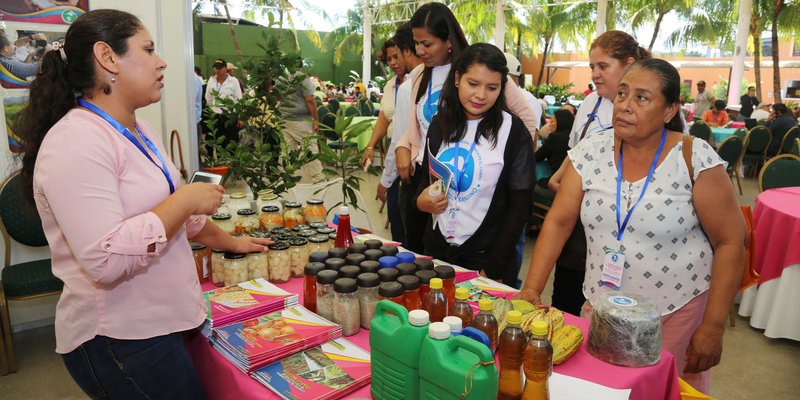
{"x":223,"y":381}
{"x":777,"y":223}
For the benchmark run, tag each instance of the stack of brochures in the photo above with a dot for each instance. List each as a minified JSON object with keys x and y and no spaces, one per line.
{"x":329,"y":371}
{"x":244,"y":301}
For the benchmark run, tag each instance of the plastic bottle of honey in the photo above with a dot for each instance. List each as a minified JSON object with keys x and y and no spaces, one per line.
{"x":486,"y":322}
{"x":538,"y":364}
{"x":461,"y":308}
{"x":511,"y":347}
{"x":435,"y":303}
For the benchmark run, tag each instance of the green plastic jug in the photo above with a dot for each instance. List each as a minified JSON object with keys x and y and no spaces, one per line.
{"x":454,"y":366}
{"x":395,"y":338}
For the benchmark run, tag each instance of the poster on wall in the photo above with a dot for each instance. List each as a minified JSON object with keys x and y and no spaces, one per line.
{"x":59,"y":12}
{"x":13,"y":102}
{"x":21,"y":51}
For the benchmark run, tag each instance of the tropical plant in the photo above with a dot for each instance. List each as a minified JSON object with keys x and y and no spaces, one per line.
{"x":287,"y":11}
{"x":642,"y":12}
{"x":712,"y":23}
{"x":562,"y":93}
{"x":785,"y":18}
{"x":720,"y":90}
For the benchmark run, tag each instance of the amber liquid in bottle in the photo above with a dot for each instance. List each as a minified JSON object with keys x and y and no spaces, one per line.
{"x":487,"y":323}
{"x":511,"y":347}
{"x":463,"y":310}
{"x":435,"y":303}
{"x":538,"y":367}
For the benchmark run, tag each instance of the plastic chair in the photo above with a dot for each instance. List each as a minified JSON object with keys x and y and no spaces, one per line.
{"x":780,"y":171}
{"x":755,"y":145}
{"x":331,"y":196}
{"x":701,"y":130}
{"x":328,"y":122}
{"x":749,"y":276}
{"x":333,"y":104}
{"x":365,"y":107}
{"x":19,"y":220}
{"x":789,"y":140}
{"x":796,"y":147}
{"x":741,"y":133}
{"x":352,"y":111}
{"x":730,"y":150}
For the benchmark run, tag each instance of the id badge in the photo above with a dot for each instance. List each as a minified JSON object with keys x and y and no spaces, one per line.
{"x":450,"y":229}
{"x":613,"y":267}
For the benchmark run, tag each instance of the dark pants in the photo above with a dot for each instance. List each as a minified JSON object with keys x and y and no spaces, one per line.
{"x":414,"y":220}
{"x":155,"y":368}
{"x":393,"y":211}
{"x":570,"y":269}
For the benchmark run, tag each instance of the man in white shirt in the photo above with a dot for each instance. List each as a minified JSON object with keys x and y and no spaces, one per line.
{"x":762,"y":113}
{"x":514,"y":70}
{"x":227,"y":87}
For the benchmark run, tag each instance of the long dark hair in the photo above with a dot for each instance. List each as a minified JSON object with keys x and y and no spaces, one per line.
{"x":564,"y":120}
{"x":53,"y":92}
{"x":440,"y":22}
{"x":670,"y":85}
{"x":453,"y":119}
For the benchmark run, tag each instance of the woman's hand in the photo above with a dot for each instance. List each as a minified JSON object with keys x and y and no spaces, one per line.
{"x":403,"y":163}
{"x":705,"y":348}
{"x":247,"y":244}
{"x":201,"y":198}
{"x":368,"y":155}
{"x":432,"y":205}
{"x":530,"y":295}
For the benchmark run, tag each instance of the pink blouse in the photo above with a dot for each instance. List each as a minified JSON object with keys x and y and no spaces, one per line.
{"x":94,"y":191}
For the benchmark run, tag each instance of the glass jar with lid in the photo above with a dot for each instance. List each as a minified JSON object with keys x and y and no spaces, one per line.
{"x":298,"y":255}
{"x":235,"y":269}
{"x":368,"y":296}
{"x":271,"y":217}
{"x":317,"y":225}
{"x":315,"y":211}
{"x":224,"y":222}
{"x":279,"y":262}
{"x":246,"y":221}
{"x":299,"y":227}
{"x":267,"y":198}
{"x":306,"y":233}
{"x":218,"y":267}
{"x":257,"y":265}
{"x":238,"y":201}
{"x":345,"y":306}
{"x":293,"y":214}
{"x":202,"y":260}
{"x":318,"y":243}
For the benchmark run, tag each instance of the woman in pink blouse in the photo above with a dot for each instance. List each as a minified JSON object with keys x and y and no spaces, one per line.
{"x":116,"y":215}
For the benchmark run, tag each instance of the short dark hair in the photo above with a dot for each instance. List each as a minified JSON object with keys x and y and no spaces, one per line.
{"x":386,"y":46}
{"x":749,"y":88}
{"x":701,"y":83}
{"x":719,"y":105}
{"x":780,"y":108}
{"x":198,"y":71}
{"x":670,"y":85}
{"x":404,"y":39}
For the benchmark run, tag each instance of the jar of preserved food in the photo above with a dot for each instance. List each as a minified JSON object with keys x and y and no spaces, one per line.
{"x":332,"y":239}
{"x":224,"y":222}
{"x":279,"y":230}
{"x":357,"y":248}
{"x":373,"y":244}
{"x":298,"y":255}
{"x":411,"y":297}
{"x":317,"y":256}
{"x":293,"y":214}
{"x":334,"y":264}
{"x":318,"y":243}
{"x":317,"y":225}
{"x":235,"y":269}
{"x":349,"y":271}
{"x":406,"y":269}
{"x":283,"y":237}
{"x":368,"y":297}
{"x":370,"y":266}
{"x":279,"y":262}
{"x":315,"y":211}
{"x":310,"y":285}
{"x":345,"y":306}
{"x":337,"y":252}
{"x":270,"y":218}
{"x":325,"y":295}
{"x":306,"y":233}
{"x":202,"y":260}
{"x":373,"y":254}
{"x":238,"y":201}
{"x":299,"y":227}
{"x":257,"y":265}
{"x":267,"y":198}
{"x":392,"y":291}
{"x":355,"y":259}
{"x":218,"y":267}
{"x":246,"y":221}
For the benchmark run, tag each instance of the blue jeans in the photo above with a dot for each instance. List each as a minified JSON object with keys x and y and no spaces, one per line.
{"x":155,"y":368}
{"x":393,"y":211}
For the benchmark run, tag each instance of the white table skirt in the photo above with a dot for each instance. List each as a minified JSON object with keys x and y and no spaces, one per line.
{"x":773,"y":306}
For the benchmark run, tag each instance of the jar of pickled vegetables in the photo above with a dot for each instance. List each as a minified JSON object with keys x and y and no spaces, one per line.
{"x":280,"y":265}
{"x":246,"y":221}
{"x":271,"y":217}
{"x":298,"y":255}
{"x":306,"y":233}
{"x":218,"y":267}
{"x":257,"y":265}
{"x":235,"y":269}
{"x":318,"y":243}
{"x":299,"y":227}
{"x":238,"y":201}
{"x":267,"y":198}
{"x":224,"y":222}
{"x":293,"y":214}
{"x":315,"y":211}
{"x":202,"y":260}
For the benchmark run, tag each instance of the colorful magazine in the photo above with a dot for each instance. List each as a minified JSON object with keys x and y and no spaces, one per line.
{"x":246,"y":300}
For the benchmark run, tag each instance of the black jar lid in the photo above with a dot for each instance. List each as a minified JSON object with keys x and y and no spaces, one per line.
{"x":197,"y":246}
{"x":389,"y":250}
{"x":292,"y":204}
{"x":345,"y":285}
{"x":270,"y":209}
{"x":314,"y":201}
{"x":423,"y":264}
{"x":406,"y":269}
{"x":234,"y":256}
{"x":357,"y":248}
{"x":331,"y":236}
{"x":300,"y":227}
{"x":337,"y":252}
{"x":221,"y":216}
{"x":373,"y":244}
{"x":349,"y":271}
{"x":355,"y":259}
{"x":388,"y":274}
{"x":218,"y":251}
{"x":334,"y":263}
{"x":425,"y":276}
{"x":319,"y":239}
{"x":327,"y":276}
{"x":283,"y":237}
{"x":318,"y":256}
{"x":373,"y":254}
{"x":391,"y":290}
{"x":327,"y":230}
{"x":370,"y":266}
{"x":280,"y":229}
{"x":279,"y":246}
{"x":445,"y":272}
{"x":409,"y":282}
{"x":313,"y":268}
{"x":317,"y":225}
{"x":260,"y":234}
{"x":368,"y":280}
{"x":307,"y":233}
{"x":246,"y":211}
{"x":298,"y":241}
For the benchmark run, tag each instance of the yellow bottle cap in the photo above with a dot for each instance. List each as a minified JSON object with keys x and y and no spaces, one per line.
{"x":539,"y":328}
{"x":436,"y":283}
{"x":462,"y":293}
{"x":485,"y":304}
{"x":514,"y":317}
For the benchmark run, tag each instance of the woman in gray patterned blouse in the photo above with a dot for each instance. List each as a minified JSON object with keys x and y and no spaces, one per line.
{"x":678,"y":239}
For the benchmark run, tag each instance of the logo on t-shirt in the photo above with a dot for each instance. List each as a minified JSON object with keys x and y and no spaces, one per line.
{"x":427,"y":109}
{"x":467,"y":175}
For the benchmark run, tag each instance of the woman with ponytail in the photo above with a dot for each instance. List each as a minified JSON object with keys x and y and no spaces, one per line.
{"x":115,"y":214}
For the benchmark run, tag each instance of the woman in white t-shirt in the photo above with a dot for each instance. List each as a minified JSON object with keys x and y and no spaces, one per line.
{"x":671,"y":218}
{"x":489,"y":154}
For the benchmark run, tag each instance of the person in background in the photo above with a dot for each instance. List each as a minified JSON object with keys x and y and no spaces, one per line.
{"x":225,"y":86}
{"x":116,"y":216}
{"x":232,"y":72}
{"x":544,"y":131}
{"x":554,"y":149}
{"x":780,"y":121}
{"x":717,"y":116}
{"x":514,"y":71}
{"x":762,"y":113}
{"x":483,"y":210}
{"x":589,"y":90}
{"x":749,"y":102}
{"x":703,"y":101}
{"x":19,"y":69}
{"x":199,"y":103}
{"x":733,"y":112}
{"x":686,"y":254}
{"x":299,"y":110}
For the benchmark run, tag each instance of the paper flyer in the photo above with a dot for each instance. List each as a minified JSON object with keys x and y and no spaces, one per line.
{"x":438,"y":172}
{"x":223,"y":305}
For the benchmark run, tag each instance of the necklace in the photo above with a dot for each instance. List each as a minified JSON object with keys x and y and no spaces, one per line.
{"x":629,"y":196}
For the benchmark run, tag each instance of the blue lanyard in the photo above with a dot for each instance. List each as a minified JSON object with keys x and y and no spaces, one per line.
{"x":460,"y":174}
{"x":621,"y":228}
{"x":592,"y":116}
{"x":396,"y":86}
{"x":428,"y":100}
{"x":125,"y":132}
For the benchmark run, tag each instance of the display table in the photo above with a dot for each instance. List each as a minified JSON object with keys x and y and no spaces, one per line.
{"x":772,"y":305}
{"x":720,"y":134}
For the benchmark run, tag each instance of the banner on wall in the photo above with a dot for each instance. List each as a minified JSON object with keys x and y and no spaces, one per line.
{"x":13,"y":102}
{"x":59,"y":12}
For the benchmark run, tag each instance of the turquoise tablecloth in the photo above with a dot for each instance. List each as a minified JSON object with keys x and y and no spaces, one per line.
{"x":551,"y":109}
{"x":720,"y":134}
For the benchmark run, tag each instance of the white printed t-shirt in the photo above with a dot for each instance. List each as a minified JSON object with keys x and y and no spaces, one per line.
{"x":429,"y":105}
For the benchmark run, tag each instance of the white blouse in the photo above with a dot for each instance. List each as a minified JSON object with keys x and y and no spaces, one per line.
{"x":667,"y":255}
